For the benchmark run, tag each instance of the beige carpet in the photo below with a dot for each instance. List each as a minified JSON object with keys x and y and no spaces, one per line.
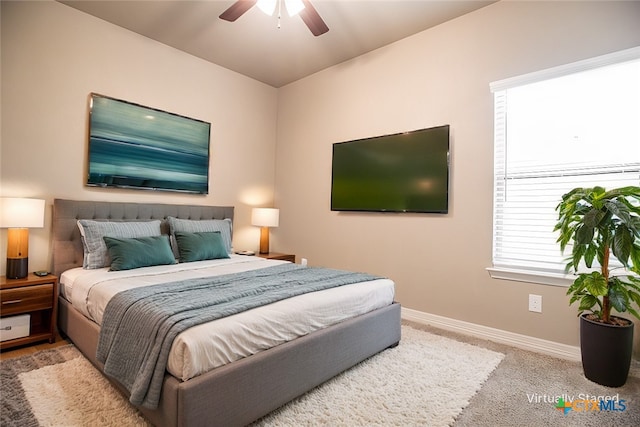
{"x":427,"y":380}
{"x":520,"y":392}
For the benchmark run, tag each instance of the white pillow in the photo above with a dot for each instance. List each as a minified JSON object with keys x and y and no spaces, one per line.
{"x":92,"y":232}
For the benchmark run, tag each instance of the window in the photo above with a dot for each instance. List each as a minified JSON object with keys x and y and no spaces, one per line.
{"x":571,"y":126}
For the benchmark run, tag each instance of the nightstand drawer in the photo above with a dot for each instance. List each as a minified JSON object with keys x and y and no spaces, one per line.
{"x":20,"y":300}
{"x":13,"y":327}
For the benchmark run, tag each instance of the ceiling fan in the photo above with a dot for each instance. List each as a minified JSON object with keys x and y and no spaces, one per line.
{"x":304,"y":8}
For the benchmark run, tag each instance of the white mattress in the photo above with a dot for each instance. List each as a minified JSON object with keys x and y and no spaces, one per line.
{"x":205,"y":347}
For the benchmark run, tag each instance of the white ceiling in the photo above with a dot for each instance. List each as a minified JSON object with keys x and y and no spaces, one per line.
{"x":255,"y":47}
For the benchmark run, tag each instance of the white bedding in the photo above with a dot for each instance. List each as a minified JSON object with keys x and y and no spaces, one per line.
{"x":214,"y":344}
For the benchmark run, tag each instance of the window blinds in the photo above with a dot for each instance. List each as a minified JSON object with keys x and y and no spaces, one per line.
{"x":552,"y":133}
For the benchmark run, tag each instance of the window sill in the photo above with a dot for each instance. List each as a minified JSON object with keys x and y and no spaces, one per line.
{"x":540,"y":278}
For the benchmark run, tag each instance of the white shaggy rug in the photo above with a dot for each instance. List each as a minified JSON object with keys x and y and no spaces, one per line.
{"x":74,"y":393}
{"x":425,"y":381}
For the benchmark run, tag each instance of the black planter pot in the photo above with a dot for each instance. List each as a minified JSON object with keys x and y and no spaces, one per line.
{"x":606,"y":351}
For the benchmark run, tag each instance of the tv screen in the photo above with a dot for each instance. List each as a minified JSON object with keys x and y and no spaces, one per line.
{"x":132,"y":146}
{"x":404,"y":172}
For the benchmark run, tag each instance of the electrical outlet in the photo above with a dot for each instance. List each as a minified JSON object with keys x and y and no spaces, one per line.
{"x":535,"y":303}
{"x":303,"y":262}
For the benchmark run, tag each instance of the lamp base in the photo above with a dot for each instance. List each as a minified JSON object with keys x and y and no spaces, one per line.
{"x":17,"y":268}
{"x":264,"y":240}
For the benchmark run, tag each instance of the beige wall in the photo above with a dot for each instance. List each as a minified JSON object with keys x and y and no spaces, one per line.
{"x":440,"y":76}
{"x":53,"y":56}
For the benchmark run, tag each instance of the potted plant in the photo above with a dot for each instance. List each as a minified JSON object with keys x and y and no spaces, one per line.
{"x":601,"y":226}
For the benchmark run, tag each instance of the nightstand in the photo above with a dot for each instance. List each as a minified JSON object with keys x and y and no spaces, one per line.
{"x":34,"y":296}
{"x":276,"y":255}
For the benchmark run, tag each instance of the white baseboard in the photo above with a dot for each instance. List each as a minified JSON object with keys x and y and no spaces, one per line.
{"x":497,"y":335}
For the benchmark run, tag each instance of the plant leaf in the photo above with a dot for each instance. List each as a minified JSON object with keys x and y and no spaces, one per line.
{"x":584,"y":233}
{"x":578,"y":253}
{"x":590,"y":254}
{"x":587,"y":302}
{"x":619,"y":209}
{"x":622,"y":243}
{"x":592,"y":219}
{"x":633,"y":312}
{"x":634,"y":256}
{"x":596,"y":284}
{"x":618,"y":298}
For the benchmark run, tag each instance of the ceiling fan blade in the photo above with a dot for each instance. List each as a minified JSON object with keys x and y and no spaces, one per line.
{"x":313,"y":20}
{"x":237,"y":9}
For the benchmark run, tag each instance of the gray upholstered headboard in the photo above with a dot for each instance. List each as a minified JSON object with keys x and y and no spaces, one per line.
{"x":67,"y":246}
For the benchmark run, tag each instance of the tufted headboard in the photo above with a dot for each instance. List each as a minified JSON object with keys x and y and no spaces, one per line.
{"x":67,"y":245}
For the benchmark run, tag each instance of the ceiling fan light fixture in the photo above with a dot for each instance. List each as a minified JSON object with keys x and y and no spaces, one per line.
{"x":304,"y":8}
{"x":267,"y":6}
{"x":294,"y":6}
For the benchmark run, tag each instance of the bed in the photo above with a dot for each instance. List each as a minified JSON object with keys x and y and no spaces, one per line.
{"x":248,"y":387}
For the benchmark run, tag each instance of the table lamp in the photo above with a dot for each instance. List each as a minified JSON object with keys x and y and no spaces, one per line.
{"x":265,"y":218}
{"x":18,"y":215}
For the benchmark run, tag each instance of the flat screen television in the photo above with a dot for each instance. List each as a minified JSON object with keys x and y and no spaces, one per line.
{"x":132,"y":146}
{"x":404,"y":172}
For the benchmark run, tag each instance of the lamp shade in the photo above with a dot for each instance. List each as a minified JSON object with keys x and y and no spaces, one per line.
{"x":21,"y":213}
{"x":265,"y":217}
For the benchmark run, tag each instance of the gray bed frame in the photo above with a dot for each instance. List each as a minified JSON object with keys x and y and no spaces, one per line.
{"x":243,"y":391}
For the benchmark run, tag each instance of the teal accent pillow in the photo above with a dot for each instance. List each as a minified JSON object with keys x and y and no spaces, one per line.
{"x":200,"y":246}
{"x":198,"y":226}
{"x":127,"y":254}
